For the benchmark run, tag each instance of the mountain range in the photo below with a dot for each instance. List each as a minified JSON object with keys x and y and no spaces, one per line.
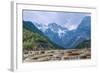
{"x":34,"y":39}
{"x":69,"y":38}
{"x":61,"y":36}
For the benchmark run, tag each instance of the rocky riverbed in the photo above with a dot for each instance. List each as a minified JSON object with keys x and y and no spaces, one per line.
{"x":51,"y":55}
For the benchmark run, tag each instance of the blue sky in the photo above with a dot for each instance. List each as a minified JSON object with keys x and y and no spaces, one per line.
{"x":70,"y":20}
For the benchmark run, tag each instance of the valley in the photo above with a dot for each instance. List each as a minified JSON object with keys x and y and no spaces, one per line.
{"x":56,"y":42}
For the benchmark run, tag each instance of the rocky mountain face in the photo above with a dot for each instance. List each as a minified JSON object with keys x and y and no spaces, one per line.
{"x":69,"y":38}
{"x":34,"y":39}
{"x":62,"y":36}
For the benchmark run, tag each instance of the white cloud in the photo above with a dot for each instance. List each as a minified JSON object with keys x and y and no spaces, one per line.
{"x":71,"y":26}
{"x":66,"y":19}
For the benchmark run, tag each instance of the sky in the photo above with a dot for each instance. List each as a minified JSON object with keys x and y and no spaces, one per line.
{"x":69,"y":20}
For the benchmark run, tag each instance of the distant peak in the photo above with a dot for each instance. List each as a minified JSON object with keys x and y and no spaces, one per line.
{"x":53,"y":25}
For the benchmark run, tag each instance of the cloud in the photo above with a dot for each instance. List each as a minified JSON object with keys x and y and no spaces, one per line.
{"x":71,"y":26}
{"x":70,"y":20}
{"x":40,"y":17}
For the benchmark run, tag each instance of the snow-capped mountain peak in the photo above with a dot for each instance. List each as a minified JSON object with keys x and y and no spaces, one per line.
{"x":57,"y":29}
{"x":41,"y":27}
{"x":68,"y":38}
{"x":61,"y":33}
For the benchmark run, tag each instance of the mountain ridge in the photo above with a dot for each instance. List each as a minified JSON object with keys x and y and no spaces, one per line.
{"x":29,"y":27}
{"x":82,"y":30}
{"x":68,"y":39}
